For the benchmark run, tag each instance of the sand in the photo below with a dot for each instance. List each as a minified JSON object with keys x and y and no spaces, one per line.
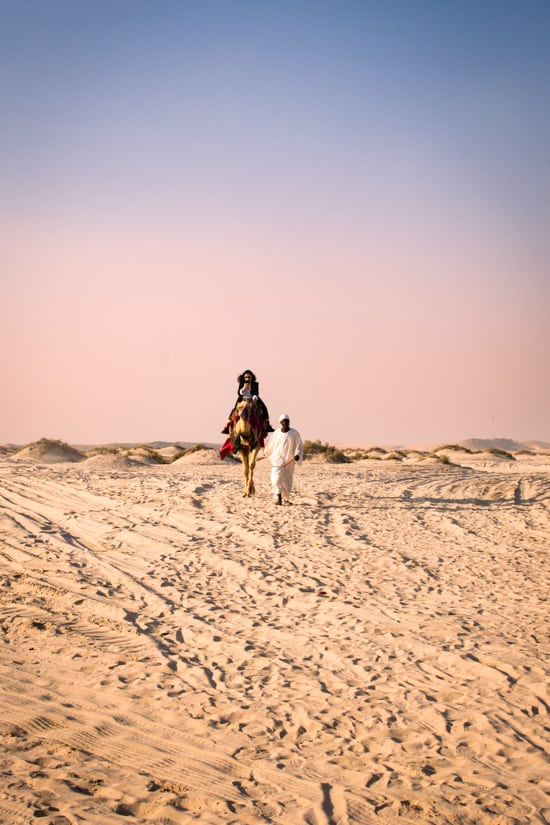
{"x":174,"y":653}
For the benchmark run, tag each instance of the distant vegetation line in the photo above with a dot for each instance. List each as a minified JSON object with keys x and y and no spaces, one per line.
{"x":312,"y":450}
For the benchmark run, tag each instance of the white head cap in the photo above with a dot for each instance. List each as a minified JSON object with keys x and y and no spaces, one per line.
{"x":284,"y":417}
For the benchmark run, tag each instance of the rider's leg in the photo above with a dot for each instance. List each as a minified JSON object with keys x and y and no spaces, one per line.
{"x":227,"y":427}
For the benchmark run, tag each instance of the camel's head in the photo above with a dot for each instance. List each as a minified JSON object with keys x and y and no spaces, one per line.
{"x":243,"y":410}
{"x":244,"y":407}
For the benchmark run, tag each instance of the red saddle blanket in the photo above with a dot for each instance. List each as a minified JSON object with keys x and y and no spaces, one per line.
{"x":236,"y":443}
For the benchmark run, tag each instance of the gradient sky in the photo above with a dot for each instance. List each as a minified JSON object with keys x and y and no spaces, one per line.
{"x":350,"y":198}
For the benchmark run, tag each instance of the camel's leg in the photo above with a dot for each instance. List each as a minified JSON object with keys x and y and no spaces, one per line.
{"x":246,"y":472}
{"x":249,"y":462}
{"x":251,"y":465}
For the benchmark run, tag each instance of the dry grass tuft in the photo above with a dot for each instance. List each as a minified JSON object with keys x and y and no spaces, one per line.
{"x":194,"y":449}
{"x":331,"y":453}
{"x":500,"y":453}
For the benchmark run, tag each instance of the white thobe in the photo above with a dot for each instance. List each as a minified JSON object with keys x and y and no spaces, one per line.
{"x":281,"y":449}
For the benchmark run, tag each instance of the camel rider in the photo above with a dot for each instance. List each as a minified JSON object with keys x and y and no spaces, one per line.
{"x":249,"y":390}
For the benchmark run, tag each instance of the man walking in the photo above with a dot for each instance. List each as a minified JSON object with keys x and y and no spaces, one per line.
{"x":284,"y":449}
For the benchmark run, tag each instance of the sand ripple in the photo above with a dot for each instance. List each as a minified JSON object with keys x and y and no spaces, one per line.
{"x":174,"y":653}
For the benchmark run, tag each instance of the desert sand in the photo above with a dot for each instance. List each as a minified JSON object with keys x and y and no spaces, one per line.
{"x":174,"y":653}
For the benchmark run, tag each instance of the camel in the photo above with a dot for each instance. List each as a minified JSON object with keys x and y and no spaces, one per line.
{"x":245,"y":438}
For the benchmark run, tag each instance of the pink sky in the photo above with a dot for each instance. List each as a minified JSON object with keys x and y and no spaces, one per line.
{"x":171,"y":219}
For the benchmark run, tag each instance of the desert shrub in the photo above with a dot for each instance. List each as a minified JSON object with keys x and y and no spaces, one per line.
{"x":103,"y":450}
{"x":453,"y":447}
{"x":335,"y":456}
{"x":497,"y":451}
{"x":443,"y":458}
{"x":187,"y":451}
{"x":45,"y":443}
{"x":332,"y":454}
{"x":356,"y":454}
{"x":156,"y":457}
{"x":148,"y":450}
{"x":313,"y":447}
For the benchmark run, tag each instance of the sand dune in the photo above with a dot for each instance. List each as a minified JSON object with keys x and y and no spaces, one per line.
{"x":173,"y":653}
{"x":505,"y":444}
{"x":48,"y":451}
